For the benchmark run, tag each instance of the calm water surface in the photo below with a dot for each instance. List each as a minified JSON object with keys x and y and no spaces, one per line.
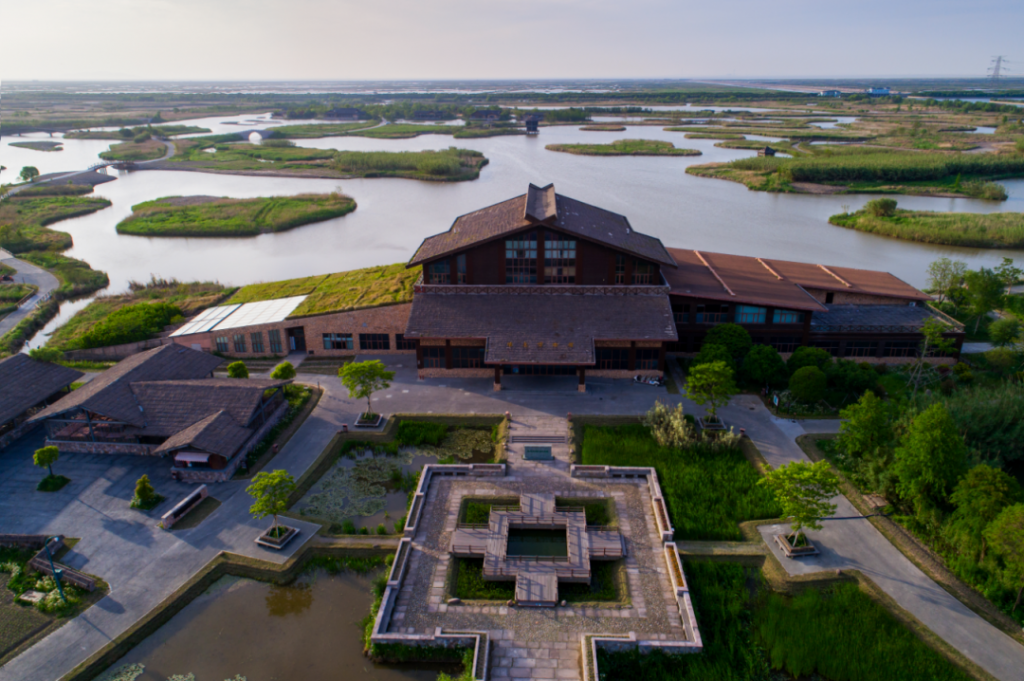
{"x":308,"y":631}
{"x":395,"y":215}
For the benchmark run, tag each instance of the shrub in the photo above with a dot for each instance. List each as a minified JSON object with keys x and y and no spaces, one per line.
{"x":130,"y":324}
{"x":283,"y":372}
{"x":734,"y":337}
{"x":141,"y":137}
{"x":764,"y":365}
{"x":669,"y":427}
{"x":881,"y":208}
{"x":806,"y":356}
{"x":416,"y":433}
{"x":712,"y":352}
{"x":238,"y":370}
{"x":808,"y":385}
{"x":1004,"y":331}
{"x":381,"y":529}
{"x":52,"y":355}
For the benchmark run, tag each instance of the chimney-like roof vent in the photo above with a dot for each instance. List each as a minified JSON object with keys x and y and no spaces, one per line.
{"x":540,"y":203}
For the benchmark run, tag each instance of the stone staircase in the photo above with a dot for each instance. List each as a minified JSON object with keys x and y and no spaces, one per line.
{"x":527,"y":431}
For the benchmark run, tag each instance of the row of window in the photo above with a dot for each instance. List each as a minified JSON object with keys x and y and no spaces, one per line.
{"x":521,"y":254}
{"x":440,"y":272}
{"x":473,"y":358}
{"x":255,"y":339}
{"x":868,"y":348}
{"x":618,"y":358}
{"x":239,"y":343}
{"x":717,"y":313}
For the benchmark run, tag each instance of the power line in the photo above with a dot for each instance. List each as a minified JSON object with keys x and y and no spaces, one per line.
{"x":995,"y":72}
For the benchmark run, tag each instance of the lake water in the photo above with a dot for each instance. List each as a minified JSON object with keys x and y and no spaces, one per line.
{"x":308,"y":630}
{"x":395,"y":215}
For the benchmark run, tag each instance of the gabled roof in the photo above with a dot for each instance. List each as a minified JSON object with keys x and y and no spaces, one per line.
{"x":110,"y":393}
{"x":541,"y":205}
{"x":217,"y":434}
{"x":25,"y":382}
{"x":171,"y":406}
{"x":778,"y":283}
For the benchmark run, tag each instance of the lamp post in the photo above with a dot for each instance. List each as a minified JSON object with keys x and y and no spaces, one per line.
{"x":56,"y":573}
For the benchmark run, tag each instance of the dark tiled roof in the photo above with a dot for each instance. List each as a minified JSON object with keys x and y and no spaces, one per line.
{"x":171,"y":406}
{"x":572,"y":216}
{"x":872,"y":316}
{"x":24,"y":383}
{"x":540,"y":321}
{"x":110,"y":393}
{"x":217,"y":434}
{"x":781,"y":283}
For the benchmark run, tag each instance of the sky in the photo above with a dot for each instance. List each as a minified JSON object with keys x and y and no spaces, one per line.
{"x":488,"y":39}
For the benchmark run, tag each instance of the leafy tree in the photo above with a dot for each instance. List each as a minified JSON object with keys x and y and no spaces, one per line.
{"x":734,"y":337}
{"x":46,"y":456}
{"x":144,"y":492}
{"x":930,"y":459}
{"x":932,"y":342}
{"x":984,"y":292}
{"x":1005,"y":331}
{"x":944,"y":275}
{"x":764,"y":365}
{"x":51,"y":355}
{"x":979,"y":497}
{"x":270,"y":492}
{"x":808,"y":385}
{"x":806,"y":356}
{"x":711,"y":384}
{"x":850,"y":376}
{"x":283,"y":372}
{"x":669,"y":426}
{"x":1006,"y":537}
{"x":881,"y":208}
{"x":804,"y":490}
{"x":866,"y":426}
{"x":1001,"y":359}
{"x":29,"y":173}
{"x":1008,"y":273}
{"x":238,"y":370}
{"x":713,"y":352}
{"x":365,"y":378}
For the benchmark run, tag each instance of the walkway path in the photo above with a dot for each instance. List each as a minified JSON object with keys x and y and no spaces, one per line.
{"x":27,"y":274}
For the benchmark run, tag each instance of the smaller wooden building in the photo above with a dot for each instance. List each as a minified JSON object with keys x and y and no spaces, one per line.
{"x":26,"y":387}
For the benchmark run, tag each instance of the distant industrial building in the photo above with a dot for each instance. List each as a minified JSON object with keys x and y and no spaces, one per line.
{"x":830,"y":93}
{"x":877,"y":91}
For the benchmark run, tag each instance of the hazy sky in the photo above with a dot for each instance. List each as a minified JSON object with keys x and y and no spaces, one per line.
{"x":442,"y":39}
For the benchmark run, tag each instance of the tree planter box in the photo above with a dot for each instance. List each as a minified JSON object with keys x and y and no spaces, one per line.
{"x":795,"y":551}
{"x":717,"y":424}
{"x":372,"y":423}
{"x":277,"y":543}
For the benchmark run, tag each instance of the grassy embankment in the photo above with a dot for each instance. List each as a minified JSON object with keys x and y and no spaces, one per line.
{"x":980,"y":230}
{"x":39,"y":146}
{"x":191,"y":216}
{"x":314,"y":130}
{"x":130,"y":133}
{"x":625,"y":148}
{"x":189,"y":299}
{"x":391,"y":130}
{"x":447,"y":165}
{"x":12,"y":294}
{"x":603,"y":127}
{"x":353,"y":290}
{"x":135,"y":151}
{"x":874,"y":170}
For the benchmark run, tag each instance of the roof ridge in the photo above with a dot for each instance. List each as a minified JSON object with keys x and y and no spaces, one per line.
{"x":714,"y":273}
{"x":841,"y":280}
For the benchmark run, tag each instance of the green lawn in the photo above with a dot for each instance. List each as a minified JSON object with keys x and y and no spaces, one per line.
{"x":708,"y":492}
{"x":980,"y":230}
{"x":625,"y":148}
{"x":135,"y":151}
{"x":186,"y":216}
{"x":319,"y":129}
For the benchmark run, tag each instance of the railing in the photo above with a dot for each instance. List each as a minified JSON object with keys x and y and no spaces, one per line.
{"x":472,"y":526}
{"x":506,"y":509}
{"x":601,"y":528}
{"x":541,"y":559}
{"x":605,"y":551}
{"x":468,"y":549}
{"x":570,"y":509}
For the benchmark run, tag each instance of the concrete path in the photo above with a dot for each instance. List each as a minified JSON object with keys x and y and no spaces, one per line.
{"x":27,"y":274}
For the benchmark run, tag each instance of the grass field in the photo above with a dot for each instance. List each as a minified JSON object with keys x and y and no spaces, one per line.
{"x":624,"y":148}
{"x":709,"y":492}
{"x":23,"y":221}
{"x":806,"y":134}
{"x":405,"y":130}
{"x":162,"y":130}
{"x":980,"y":230}
{"x":448,"y":164}
{"x":135,"y":151}
{"x":211,"y":216}
{"x":353,"y":290}
{"x":319,"y":129}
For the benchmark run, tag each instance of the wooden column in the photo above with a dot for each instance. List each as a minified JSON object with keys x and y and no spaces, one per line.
{"x":419,"y":355}
{"x":631,"y":362}
{"x":447,"y":353}
{"x":497,"y":377}
{"x":661,"y":359}
{"x":582,"y":372}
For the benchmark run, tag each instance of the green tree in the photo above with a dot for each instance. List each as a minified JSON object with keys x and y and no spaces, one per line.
{"x":806,"y":356}
{"x":944,"y":275}
{"x":930,"y":459}
{"x":932,"y":342}
{"x":866,"y":426}
{"x":711,"y":384}
{"x":734,"y":337}
{"x":29,"y":173}
{"x":365,"y":378}
{"x":1008,"y":273}
{"x":808,"y":385}
{"x":46,"y":456}
{"x":1005,"y":331}
{"x":51,"y":355}
{"x":283,"y":372}
{"x":1006,"y":537}
{"x":984,"y":292}
{"x":881,"y":208}
{"x":669,"y":426}
{"x":144,"y":492}
{"x":803,"y":490}
{"x":764,"y":365}
{"x":239,"y":370}
{"x":270,"y":492}
{"x":713,"y":352}
{"x":979,"y":497}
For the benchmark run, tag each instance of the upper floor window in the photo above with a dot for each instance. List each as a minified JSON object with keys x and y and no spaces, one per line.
{"x":521,"y":259}
{"x":643,"y":273}
{"x":715,"y":313}
{"x":681,"y":313}
{"x":238,"y":340}
{"x":620,"y":269}
{"x":438,"y":272}
{"x":747,"y":314}
{"x":560,"y":260}
{"x":460,"y":268}
{"x":788,"y":317}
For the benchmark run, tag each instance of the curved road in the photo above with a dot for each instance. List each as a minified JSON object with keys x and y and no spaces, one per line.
{"x":27,"y":274}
